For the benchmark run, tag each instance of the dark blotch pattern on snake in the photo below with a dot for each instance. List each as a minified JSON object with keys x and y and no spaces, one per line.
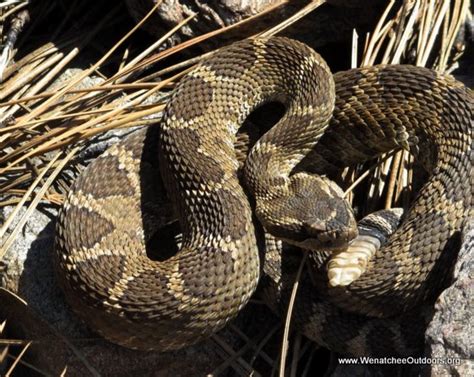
{"x":111,"y":210}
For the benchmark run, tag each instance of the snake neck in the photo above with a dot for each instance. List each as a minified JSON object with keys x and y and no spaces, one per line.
{"x":209,"y":106}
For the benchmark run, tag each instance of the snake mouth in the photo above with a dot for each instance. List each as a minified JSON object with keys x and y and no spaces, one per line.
{"x":329,"y":240}
{"x":328,"y":235}
{"x":319,"y":239}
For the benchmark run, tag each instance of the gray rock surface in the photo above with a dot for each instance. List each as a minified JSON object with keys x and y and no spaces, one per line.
{"x":450,"y":335}
{"x":333,"y":22}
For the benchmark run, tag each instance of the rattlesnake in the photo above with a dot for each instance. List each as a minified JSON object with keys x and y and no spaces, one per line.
{"x":111,"y":211}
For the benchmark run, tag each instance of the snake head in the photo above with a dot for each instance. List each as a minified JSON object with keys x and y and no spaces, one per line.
{"x":310,"y":212}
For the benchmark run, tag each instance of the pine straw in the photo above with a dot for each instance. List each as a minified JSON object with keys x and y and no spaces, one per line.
{"x":43,"y":130}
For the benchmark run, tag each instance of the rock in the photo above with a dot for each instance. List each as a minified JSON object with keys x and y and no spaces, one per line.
{"x":332,"y":22}
{"x":450,"y":335}
{"x":211,"y":16}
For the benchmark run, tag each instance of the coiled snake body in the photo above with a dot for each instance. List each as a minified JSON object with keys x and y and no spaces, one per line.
{"x":110,"y":212}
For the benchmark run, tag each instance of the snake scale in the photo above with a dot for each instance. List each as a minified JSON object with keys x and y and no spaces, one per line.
{"x":107,"y":223}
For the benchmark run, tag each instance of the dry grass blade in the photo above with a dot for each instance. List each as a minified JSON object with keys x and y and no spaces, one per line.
{"x":17,"y":359}
{"x":413,"y":31}
{"x":24,"y":99}
{"x":252,"y":345}
{"x":433,"y":33}
{"x":255,"y":343}
{"x":265,"y":340}
{"x":367,"y":172}
{"x":452,"y":26}
{"x":26,"y":196}
{"x":29,"y":366}
{"x":53,"y":139}
{"x":286,"y":333}
{"x":3,"y":346}
{"x":196,"y":40}
{"x":239,"y":364}
{"x":291,"y":20}
{"x":376,"y":34}
{"x":306,"y":369}
{"x":12,"y":342}
{"x":296,"y":354}
{"x":38,"y":55}
{"x":407,"y":33}
{"x":61,"y":139}
{"x":26,"y":76}
{"x":355,"y":40}
{"x":87,"y":72}
{"x":14,"y":10}
{"x":16,"y":307}
{"x":9,"y":241}
{"x":132,"y":64}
